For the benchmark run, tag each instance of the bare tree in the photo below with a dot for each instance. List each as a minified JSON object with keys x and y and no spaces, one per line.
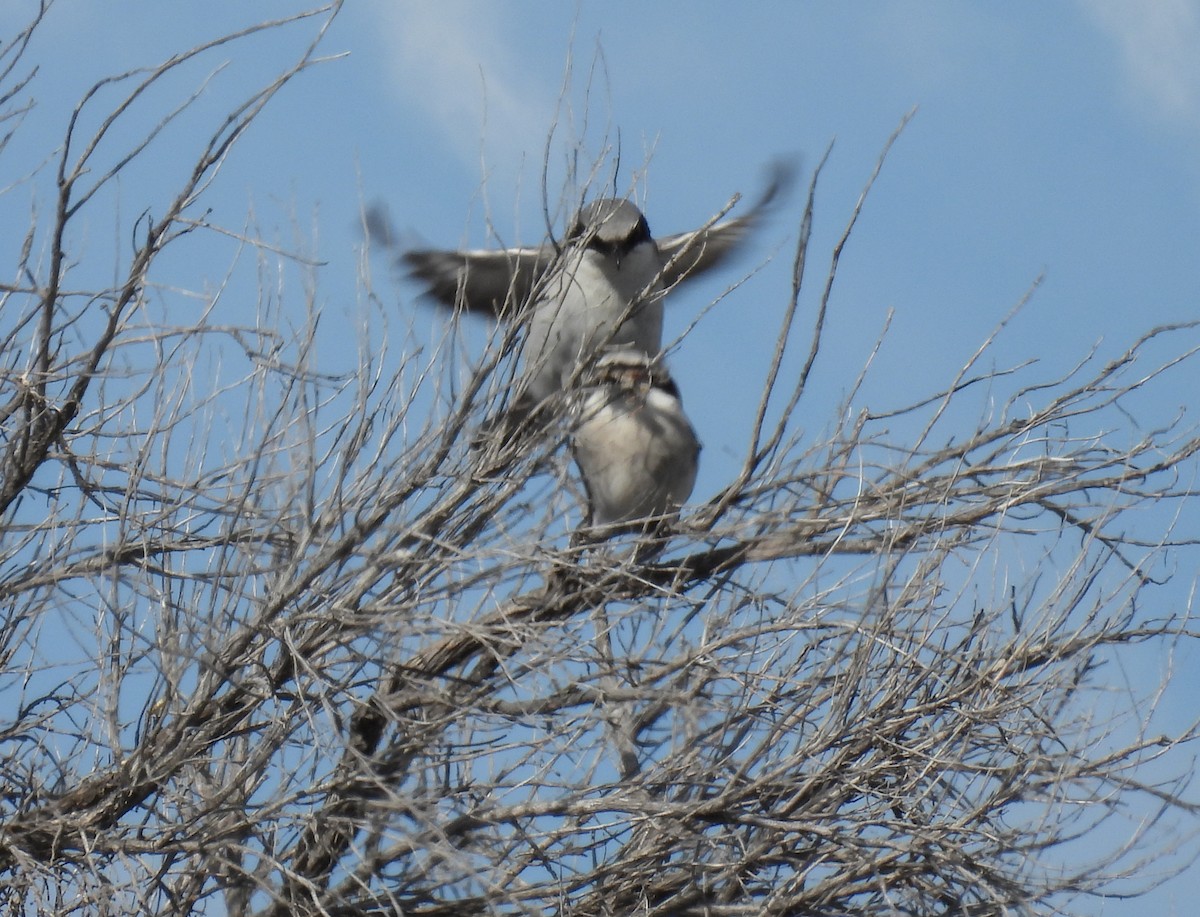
{"x":286,"y":644}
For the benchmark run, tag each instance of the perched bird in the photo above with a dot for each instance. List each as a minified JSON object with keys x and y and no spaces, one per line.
{"x":635,"y":449}
{"x":603,"y":286}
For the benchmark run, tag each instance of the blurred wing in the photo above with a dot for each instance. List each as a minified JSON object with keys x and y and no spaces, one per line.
{"x":482,"y":281}
{"x":689,"y":254}
{"x":494,"y":283}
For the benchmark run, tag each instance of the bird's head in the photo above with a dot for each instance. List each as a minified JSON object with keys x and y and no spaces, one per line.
{"x":610,"y":226}
{"x":629,"y":370}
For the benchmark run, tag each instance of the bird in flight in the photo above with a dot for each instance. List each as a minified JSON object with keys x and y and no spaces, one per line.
{"x":602,"y":286}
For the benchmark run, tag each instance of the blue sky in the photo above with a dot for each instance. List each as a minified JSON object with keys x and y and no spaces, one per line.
{"x":1050,"y":139}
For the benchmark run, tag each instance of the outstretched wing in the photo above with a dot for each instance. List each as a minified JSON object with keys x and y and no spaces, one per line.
{"x":689,"y":254}
{"x":494,"y":283}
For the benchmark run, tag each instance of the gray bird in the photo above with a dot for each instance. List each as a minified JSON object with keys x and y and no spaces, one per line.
{"x":603,"y":286}
{"x":634,"y":447}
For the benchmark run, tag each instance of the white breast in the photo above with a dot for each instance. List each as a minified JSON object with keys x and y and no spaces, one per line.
{"x":637,"y":455}
{"x":587,"y":307}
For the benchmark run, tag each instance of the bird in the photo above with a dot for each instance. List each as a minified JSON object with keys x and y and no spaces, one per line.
{"x":602,"y":286}
{"x":635,"y":448}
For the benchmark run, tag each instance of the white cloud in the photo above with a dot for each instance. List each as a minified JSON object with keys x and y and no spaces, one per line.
{"x":1159,"y":43}
{"x":451,"y":59}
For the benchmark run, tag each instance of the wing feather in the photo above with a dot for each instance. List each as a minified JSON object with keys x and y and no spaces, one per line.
{"x":490,"y":282}
{"x":688,"y":254}
{"x":487,"y":282}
